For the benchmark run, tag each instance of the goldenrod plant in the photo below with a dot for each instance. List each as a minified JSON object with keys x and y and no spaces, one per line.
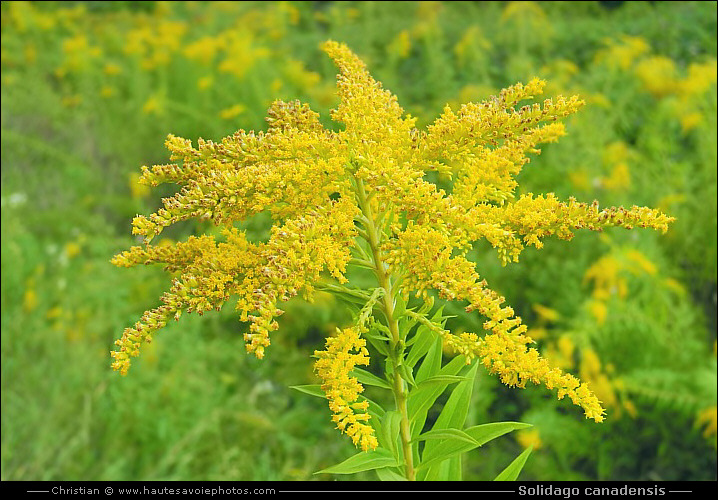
{"x":362,"y":197}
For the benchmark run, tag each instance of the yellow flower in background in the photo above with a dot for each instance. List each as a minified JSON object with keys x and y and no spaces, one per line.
{"x":598,"y":99}
{"x":274,"y":20}
{"x":400,"y":45}
{"x":599,"y":310}
{"x":112,"y":69}
{"x":708,"y":417}
{"x":560,"y":71}
{"x":630,"y":408}
{"x":701,"y":77}
{"x":204,"y":49}
{"x":152,"y":106}
{"x":136,"y":41}
{"x":78,"y":55}
{"x":295,"y":72}
{"x":608,"y":277}
{"x":537,"y":332}
{"x":546,"y":313}
{"x":691,"y":120}
{"x":71,"y":101}
{"x":590,"y":371}
{"x":429,"y":10}
{"x":23,"y":16}
{"x":106,"y":91}
{"x":658,"y":74}
{"x":615,"y":152}
{"x":241,"y":53}
{"x":560,"y":353}
{"x":232,"y":111}
{"x":137,"y":189}
{"x":605,"y":276}
{"x":54,"y":312}
{"x":75,"y":44}
{"x":529,"y":438}
{"x":522,"y":10}
{"x":644,"y":265}
{"x":29,"y":302}
{"x":205,"y":82}
{"x":290,"y":10}
{"x":72,"y":249}
{"x":619,"y":179}
{"x":169,"y":34}
{"x":566,"y":347}
{"x":615,"y":157}
{"x":622,"y":53}
{"x":670,"y":201}
{"x":675,"y":286}
{"x":471,"y":44}
{"x":154,"y":43}
{"x":528,"y":17}
{"x":579,"y":179}
{"x":30,"y":54}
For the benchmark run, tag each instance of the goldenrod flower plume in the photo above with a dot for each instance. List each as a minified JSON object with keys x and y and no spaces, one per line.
{"x":327,"y":190}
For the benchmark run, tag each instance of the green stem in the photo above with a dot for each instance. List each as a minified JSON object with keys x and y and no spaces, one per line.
{"x":398,"y":386}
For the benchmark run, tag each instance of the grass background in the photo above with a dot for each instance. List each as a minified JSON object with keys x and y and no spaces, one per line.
{"x":91,"y":89}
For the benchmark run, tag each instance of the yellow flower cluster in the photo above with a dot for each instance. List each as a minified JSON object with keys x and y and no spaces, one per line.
{"x":708,"y":417}
{"x":660,"y":76}
{"x":333,"y":367}
{"x":321,"y":187}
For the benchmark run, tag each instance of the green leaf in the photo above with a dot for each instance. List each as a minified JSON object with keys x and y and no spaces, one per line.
{"x":381,"y":328}
{"x":405,"y":325}
{"x":311,"y":389}
{"x":378,"y":340}
{"x":364,"y":460}
{"x":422,"y":341}
{"x":421,"y":399}
{"x":432,"y":362}
{"x":448,"y":434}
{"x":369,"y":378}
{"x":442,"y":379}
{"x":452,"y":416}
{"x":511,"y":472}
{"x":405,"y":373}
{"x":427,"y":306}
{"x":445,"y":450}
{"x":486,"y":432}
{"x":399,"y":306}
{"x":451,"y":469}
{"x":387,"y":474}
{"x":350,"y":298}
{"x":389,"y":435}
{"x":454,"y":412}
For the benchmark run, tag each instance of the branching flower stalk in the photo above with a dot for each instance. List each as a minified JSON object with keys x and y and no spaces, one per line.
{"x":360,"y":197}
{"x":373,"y":238}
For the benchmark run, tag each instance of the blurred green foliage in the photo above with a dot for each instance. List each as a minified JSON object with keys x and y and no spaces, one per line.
{"x":91,"y":89}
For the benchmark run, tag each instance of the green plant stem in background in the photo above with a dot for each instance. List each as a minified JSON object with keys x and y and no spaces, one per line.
{"x":399,"y":385}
